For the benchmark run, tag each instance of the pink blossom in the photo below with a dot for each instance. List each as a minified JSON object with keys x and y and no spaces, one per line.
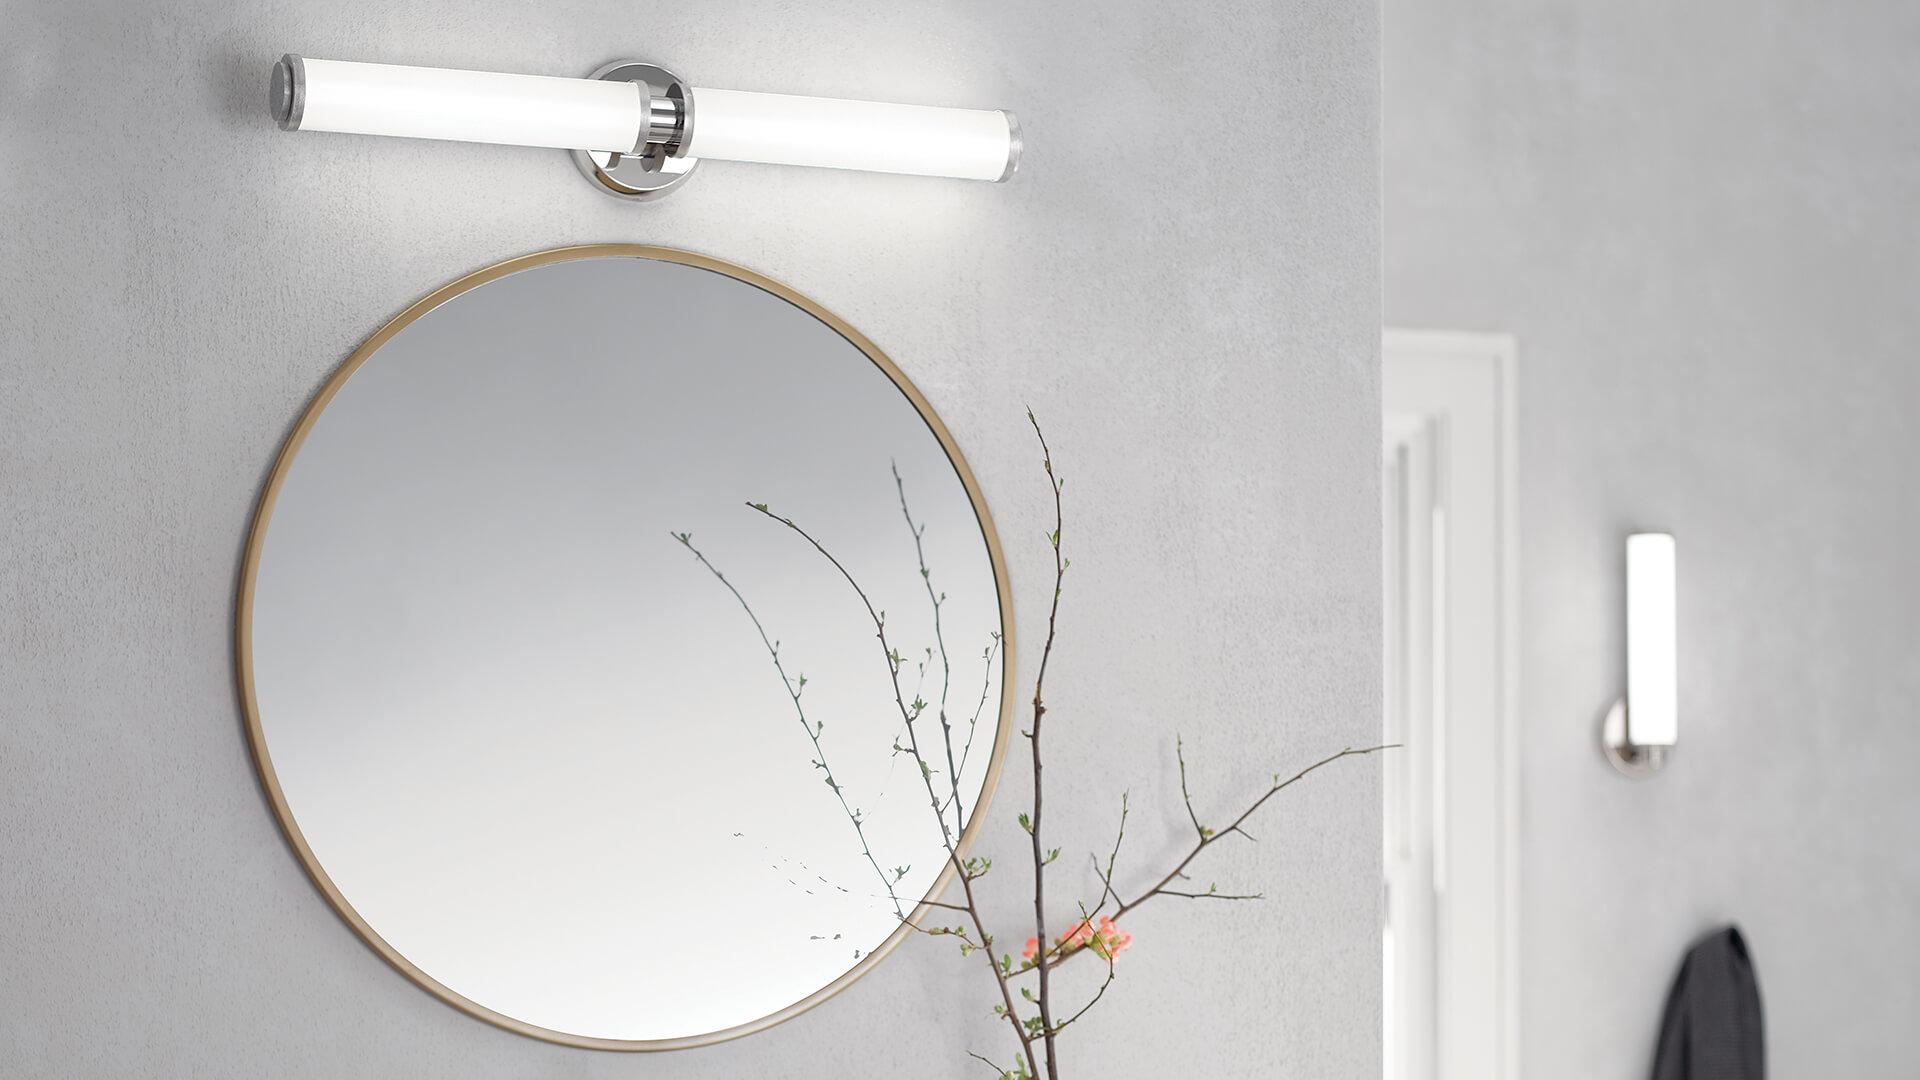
{"x":1105,"y":938}
{"x":1109,"y":941}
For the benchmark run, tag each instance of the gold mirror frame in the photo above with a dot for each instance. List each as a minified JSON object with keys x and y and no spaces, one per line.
{"x":243,"y":636}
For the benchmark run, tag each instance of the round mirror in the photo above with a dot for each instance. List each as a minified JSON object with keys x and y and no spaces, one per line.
{"x":561,"y":646}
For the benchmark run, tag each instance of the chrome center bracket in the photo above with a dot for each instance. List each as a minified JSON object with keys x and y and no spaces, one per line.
{"x":657,"y":164}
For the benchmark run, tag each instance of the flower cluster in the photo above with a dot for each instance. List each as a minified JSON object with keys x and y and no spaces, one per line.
{"x":1105,"y":939}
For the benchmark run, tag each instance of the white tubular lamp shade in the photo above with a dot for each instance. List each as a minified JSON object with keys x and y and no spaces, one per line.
{"x":1653,"y":707}
{"x":782,"y":129}
{"x":467,"y":106}
{"x":619,"y":116}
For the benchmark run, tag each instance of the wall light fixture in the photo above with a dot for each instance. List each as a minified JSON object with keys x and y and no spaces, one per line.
{"x":1642,"y":728}
{"x":638,"y":130}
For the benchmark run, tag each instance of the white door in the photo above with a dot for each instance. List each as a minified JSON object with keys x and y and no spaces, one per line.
{"x":1451,"y":791}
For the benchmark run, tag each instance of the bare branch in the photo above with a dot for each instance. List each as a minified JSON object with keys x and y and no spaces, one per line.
{"x":1045,"y":1002}
{"x":1178,"y":873}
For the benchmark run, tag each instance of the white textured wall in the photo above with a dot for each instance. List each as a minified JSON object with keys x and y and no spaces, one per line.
{"x":1201,"y":341}
{"x":1699,"y":219}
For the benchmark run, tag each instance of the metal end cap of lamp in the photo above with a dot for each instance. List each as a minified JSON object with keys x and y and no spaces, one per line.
{"x":1640,"y":730}
{"x":638,"y":130}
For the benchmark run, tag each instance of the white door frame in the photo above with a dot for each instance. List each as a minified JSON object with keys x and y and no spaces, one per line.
{"x":1452,"y":696}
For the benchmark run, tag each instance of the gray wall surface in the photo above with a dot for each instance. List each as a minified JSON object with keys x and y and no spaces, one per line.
{"x":180,"y":276}
{"x":1699,"y":220}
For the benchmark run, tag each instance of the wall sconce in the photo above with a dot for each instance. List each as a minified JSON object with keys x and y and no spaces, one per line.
{"x":1641,"y":728}
{"x":637,"y":130}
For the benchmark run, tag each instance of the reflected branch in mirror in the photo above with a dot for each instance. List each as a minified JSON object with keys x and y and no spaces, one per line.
{"x":909,"y":713}
{"x":934,"y":601}
{"x":986,"y":690}
{"x":795,"y":686}
{"x":969,"y":870}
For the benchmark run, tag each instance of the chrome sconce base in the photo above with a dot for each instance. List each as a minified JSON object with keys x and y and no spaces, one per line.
{"x":1632,"y":759}
{"x":655,"y":167}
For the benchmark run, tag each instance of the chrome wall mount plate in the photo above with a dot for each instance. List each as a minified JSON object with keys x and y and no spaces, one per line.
{"x":1631,"y":759}
{"x":658,"y":168}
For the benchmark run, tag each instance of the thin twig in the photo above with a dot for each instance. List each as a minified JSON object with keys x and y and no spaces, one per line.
{"x":1118,"y":836}
{"x":959,"y":932}
{"x":1097,"y":995}
{"x":988,"y":1063}
{"x":1180,"y":754}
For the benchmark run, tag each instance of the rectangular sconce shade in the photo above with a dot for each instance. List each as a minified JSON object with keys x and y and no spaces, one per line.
{"x":624,"y":117}
{"x":1653,"y":706}
{"x":783,"y":129}
{"x":471,"y":106}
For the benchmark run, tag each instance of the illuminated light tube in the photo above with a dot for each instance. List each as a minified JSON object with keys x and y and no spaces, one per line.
{"x":1640,"y":731}
{"x":464,"y":106}
{"x":1653,"y":684}
{"x":645,"y":114}
{"x":781,"y":129}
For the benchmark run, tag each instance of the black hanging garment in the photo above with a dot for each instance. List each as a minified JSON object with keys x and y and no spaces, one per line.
{"x":1712,"y":1028}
